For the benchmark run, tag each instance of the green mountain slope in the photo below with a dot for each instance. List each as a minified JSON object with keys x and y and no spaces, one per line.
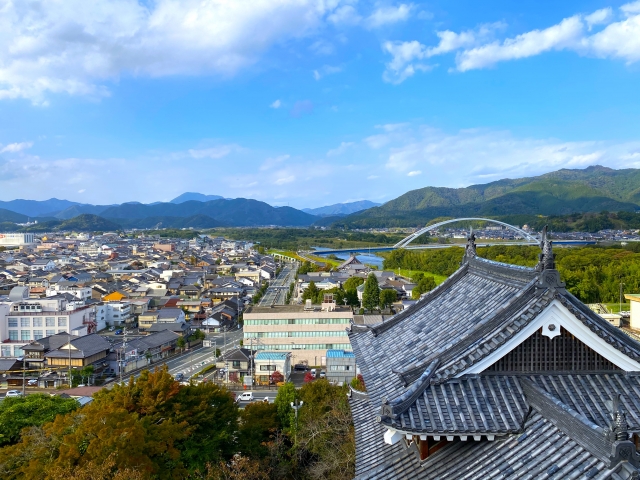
{"x":593,"y":189}
{"x":240,"y":212}
{"x":195,"y":221}
{"x":9,"y":216}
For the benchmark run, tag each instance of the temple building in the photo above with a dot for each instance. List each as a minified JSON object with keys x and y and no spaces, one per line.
{"x":499,"y":372}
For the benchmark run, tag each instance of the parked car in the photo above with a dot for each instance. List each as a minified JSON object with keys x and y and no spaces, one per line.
{"x":313,"y":372}
{"x":32,"y":382}
{"x":179,"y":377}
{"x":112,"y":328}
{"x":245,"y":397}
{"x":13,"y":393}
{"x":119,"y":332}
{"x":300,"y":367}
{"x":323,"y":374}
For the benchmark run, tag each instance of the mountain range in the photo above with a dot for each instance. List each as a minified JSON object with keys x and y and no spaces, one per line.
{"x":339,"y":209}
{"x":593,"y":189}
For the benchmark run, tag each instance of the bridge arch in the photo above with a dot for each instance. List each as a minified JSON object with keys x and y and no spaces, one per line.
{"x":413,"y":236}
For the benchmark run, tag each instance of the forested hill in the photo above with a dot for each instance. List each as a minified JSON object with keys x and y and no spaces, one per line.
{"x":593,"y":274}
{"x":593,"y":189}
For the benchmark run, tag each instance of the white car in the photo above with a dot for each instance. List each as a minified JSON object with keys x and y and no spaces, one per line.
{"x":313,"y":372}
{"x":323,"y":374}
{"x":13,"y":393}
{"x":245,"y":397}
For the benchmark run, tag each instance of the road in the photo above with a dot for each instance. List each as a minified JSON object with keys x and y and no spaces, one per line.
{"x":277,"y":291}
{"x":194,"y":361}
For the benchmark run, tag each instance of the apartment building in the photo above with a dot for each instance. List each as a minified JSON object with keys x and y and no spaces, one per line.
{"x":307,"y":331}
{"x":23,"y":320}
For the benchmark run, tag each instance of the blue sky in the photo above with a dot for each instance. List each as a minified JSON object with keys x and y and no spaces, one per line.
{"x":309,"y":102}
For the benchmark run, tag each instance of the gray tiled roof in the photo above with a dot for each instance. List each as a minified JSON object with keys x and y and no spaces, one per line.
{"x":85,"y":347}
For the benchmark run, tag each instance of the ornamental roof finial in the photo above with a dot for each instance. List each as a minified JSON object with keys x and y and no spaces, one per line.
{"x":546,"y":257}
{"x":470,"y":248}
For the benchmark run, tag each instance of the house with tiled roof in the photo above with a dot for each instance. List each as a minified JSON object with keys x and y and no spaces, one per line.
{"x":499,"y":372}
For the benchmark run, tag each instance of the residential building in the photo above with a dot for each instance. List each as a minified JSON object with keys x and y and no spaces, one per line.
{"x":306,"y":331}
{"x":265,"y":363}
{"x":237,"y":362}
{"x":341,"y":366}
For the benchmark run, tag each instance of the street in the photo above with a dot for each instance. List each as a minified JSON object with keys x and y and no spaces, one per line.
{"x":276,"y":293}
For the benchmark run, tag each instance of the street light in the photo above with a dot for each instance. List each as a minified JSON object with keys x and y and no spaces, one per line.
{"x":296,"y":406}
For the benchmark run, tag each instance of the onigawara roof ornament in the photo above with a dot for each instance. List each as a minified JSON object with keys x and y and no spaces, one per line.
{"x":470,"y":248}
{"x":549,"y":276}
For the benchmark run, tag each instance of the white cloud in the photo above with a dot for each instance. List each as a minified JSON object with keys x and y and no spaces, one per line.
{"x":386,"y":15}
{"x":599,"y":17}
{"x":414,"y":173}
{"x":82,"y":190}
{"x":566,"y":34}
{"x":322,"y":47}
{"x":373,"y":177}
{"x":270,"y":163}
{"x":326,"y":70}
{"x":480,"y":155}
{"x":407,"y":56}
{"x":76,"y":46}
{"x":16,"y":147}
{"x":340,"y":149}
{"x":476,"y":49}
{"x":345,"y":15}
{"x":285,"y":180}
{"x":276,"y":104}
{"x":213,"y":152}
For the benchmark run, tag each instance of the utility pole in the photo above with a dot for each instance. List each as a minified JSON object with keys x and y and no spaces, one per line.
{"x":23,"y":373}
{"x":69,"y":352}
{"x":621,"y":285}
{"x":296,"y":406}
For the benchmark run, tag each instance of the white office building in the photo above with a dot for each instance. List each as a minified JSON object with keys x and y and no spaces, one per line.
{"x":16,"y":239}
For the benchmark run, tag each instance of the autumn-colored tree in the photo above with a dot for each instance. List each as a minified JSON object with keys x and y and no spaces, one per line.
{"x":308,"y":377}
{"x":277,"y":377}
{"x":240,"y":468}
{"x":357,"y":383}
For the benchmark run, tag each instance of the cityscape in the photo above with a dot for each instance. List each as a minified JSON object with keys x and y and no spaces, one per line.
{"x":319,"y":240}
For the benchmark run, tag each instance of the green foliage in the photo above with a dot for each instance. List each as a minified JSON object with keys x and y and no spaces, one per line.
{"x":259,"y":422}
{"x":424,"y":285}
{"x":199,"y":334}
{"x":305,"y":239}
{"x":311,"y":292}
{"x":353,"y":283}
{"x":286,"y":395}
{"x":260,"y":293}
{"x":181,"y":343}
{"x":357,"y":383}
{"x":371,"y":294}
{"x":32,"y":410}
{"x":387,"y":297}
{"x":306,"y":267}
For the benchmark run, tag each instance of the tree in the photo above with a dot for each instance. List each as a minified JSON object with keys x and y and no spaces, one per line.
{"x":371,"y":294}
{"x":181,"y":343}
{"x":425,"y":284}
{"x":325,"y":431}
{"x":358,"y":383}
{"x":277,"y":377}
{"x":199,"y":334}
{"x":352,"y":283}
{"x":258,"y":423}
{"x":32,"y":410}
{"x":387,"y":297}
{"x":311,"y":292}
{"x":286,"y":395}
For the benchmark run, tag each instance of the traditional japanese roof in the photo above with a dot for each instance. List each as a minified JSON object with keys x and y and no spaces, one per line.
{"x":434,"y":371}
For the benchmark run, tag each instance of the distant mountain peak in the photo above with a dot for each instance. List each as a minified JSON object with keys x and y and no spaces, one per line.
{"x":341,"y":208}
{"x":198,"y":197}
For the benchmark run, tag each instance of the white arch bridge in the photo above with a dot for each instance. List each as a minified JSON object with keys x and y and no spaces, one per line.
{"x":526,"y":239}
{"x":526,"y":236}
